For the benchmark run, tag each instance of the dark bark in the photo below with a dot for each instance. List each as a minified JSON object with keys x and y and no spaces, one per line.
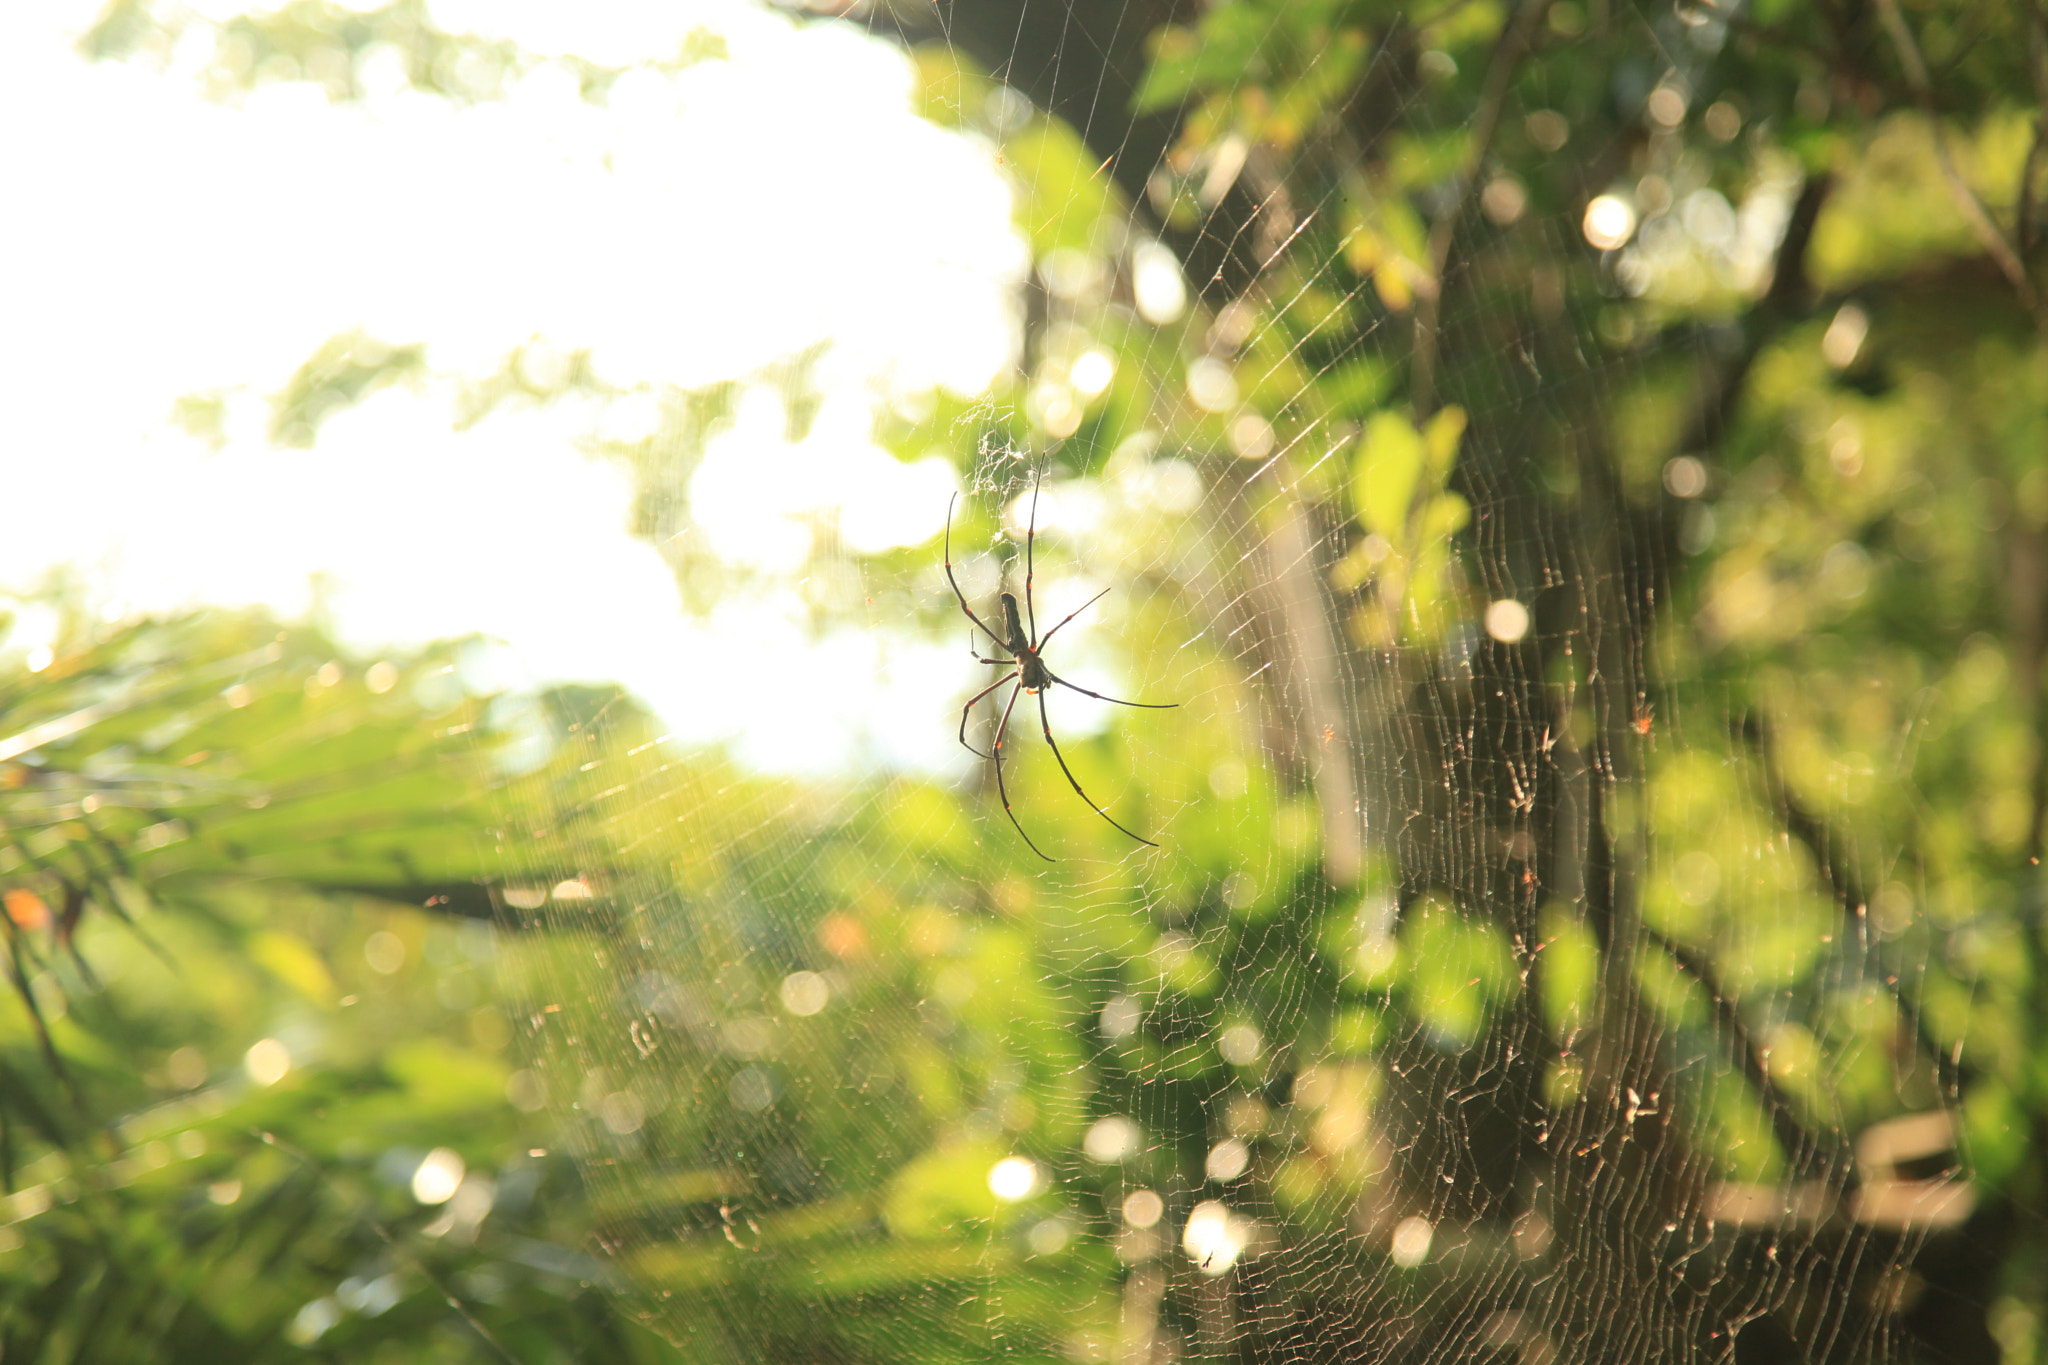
{"x":1082,"y":60}
{"x":1494,"y":803}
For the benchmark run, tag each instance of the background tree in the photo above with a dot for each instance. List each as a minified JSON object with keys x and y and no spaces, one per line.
{"x":1580,"y":468}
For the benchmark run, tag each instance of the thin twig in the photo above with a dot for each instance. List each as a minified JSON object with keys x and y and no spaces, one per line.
{"x":2026,"y":598}
{"x":18,"y":975}
{"x":426,"y":1272}
{"x":1500,"y":74}
{"x":2037,"y":63}
{"x":1994,"y":242}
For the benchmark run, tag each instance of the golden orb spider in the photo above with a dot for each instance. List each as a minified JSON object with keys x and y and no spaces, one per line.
{"x":1031,"y":674}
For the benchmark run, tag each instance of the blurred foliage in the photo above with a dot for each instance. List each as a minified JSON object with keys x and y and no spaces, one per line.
{"x":247,"y":1004}
{"x":1691,"y":940}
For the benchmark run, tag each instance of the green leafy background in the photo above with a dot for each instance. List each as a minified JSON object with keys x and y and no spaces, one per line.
{"x":1729,"y":862}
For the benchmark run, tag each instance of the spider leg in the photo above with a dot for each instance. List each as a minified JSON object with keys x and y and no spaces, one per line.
{"x":1030,"y":545}
{"x":1148,"y":705}
{"x":956,"y":582}
{"x":969,"y":707}
{"x":1045,"y":723}
{"x":1003,"y":791}
{"x":1072,"y":614}
{"x":971,"y":649}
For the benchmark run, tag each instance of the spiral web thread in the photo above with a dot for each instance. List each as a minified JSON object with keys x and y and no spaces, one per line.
{"x":1439,"y":1027}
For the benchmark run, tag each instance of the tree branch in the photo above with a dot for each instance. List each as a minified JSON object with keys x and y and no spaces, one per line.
{"x":1786,"y":300}
{"x":1610,"y":930}
{"x":1792,"y":1135}
{"x":1315,"y":656}
{"x":1950,"y":1072}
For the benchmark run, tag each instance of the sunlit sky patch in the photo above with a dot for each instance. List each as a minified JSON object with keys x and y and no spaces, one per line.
{"x":698,"y":225}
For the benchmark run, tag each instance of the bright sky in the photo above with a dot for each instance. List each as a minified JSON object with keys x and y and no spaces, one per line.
{"x":696,"y":227}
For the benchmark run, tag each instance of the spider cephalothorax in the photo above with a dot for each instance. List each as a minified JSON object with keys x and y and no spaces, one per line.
{"x":1031,"y":669}
{"x":1026,"y":648}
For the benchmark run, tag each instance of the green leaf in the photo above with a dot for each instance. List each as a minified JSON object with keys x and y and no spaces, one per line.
{"x":1443,"y":516}
{"x":1446,"y":428}
{"x":294,"y":962}
{"x":1176,"y":52}
{"x":942,"y":1193}
{"x":1462,"y":970}
{"x":1354,"y":389}
{"x":1385,"y":469}
{"x":1303,"y":101}
{"x":1570,"y":972}
{"x":1230,"y":50}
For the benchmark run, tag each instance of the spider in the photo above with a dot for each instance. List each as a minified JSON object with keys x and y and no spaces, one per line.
{"x":1030,"y":672}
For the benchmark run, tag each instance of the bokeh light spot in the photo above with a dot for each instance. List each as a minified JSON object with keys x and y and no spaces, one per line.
{"x":1111,"y":1138}
{"x":1241,"y":1044}
{"x":1143,"y":1208}
{"x":438,"y":1176}
{"x":1157,"y":285}
{"x":384,"y":951}
{"x":805,"y":993}
{"x":1507,"y":620}
{"x":1214,"y":1238}
{"x":1013,"y":1178}
{"x":1609,"y":222}
{"x":1410,"y":1244}
{"x":267,"y":1062}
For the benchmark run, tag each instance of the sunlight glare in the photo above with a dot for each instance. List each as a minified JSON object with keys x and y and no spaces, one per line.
{"x":666,"y":229}
{"x":1214,"y":1237}
{"x":1013,"y":1178}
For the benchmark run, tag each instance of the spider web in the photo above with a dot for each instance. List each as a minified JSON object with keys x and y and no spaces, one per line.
{"x":1490,"y":994}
